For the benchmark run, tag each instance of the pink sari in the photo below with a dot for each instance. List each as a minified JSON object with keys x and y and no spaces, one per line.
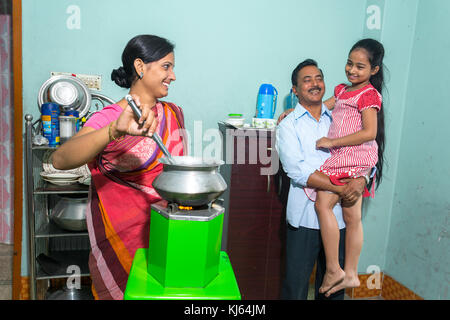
{"x":121,"y":194}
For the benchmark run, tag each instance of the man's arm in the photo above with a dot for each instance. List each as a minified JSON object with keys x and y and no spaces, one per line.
{"x":302,"y":173}
{"x":350,"y":192}
{"x":292,"y":155}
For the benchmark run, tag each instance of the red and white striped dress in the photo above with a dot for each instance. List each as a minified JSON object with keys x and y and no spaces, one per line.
{"x":350,"y":161}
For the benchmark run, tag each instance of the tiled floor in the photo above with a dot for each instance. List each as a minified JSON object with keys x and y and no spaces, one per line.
{"x":6,"y":254}
{"x":346,"y":297}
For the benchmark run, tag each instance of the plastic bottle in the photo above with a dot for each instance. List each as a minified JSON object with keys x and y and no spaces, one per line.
{"x":50,"y":122}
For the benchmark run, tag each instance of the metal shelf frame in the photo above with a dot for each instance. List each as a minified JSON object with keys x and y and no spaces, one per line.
{"x":42,"y":232}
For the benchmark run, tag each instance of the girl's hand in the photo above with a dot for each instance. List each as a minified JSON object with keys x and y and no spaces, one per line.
{"x":144,"y":126}
{"x":324,"y":142}
{"x":284,"y":114}
{"x":330,"y":103}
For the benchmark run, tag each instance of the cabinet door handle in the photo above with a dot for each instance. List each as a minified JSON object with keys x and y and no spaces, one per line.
{"x":268,"y":183}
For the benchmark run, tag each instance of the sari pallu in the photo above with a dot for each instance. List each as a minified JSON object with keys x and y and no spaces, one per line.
{"x":121,"y":193}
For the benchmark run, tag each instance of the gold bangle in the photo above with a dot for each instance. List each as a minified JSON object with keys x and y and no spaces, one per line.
{"x":111,"y":137}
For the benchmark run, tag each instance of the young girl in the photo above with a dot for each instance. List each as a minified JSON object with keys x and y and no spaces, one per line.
{"x":356,"y":143}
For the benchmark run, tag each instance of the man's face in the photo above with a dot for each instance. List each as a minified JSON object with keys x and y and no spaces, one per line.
{"x":310,"y":86}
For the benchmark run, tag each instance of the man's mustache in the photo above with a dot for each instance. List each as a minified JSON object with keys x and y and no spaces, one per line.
{"x":315,"y":88}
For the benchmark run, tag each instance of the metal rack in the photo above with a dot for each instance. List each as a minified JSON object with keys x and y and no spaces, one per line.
{"x":44,"y":236}
{"x":67,"y":247}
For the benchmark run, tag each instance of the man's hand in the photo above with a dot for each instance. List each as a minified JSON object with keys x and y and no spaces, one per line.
{"x":352,"y":190}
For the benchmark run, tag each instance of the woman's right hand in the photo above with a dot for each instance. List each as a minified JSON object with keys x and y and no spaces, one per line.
{"x":128,"y":124}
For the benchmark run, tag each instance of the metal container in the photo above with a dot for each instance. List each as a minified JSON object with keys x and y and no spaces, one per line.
{"x":70,"y":213}
{"x":64,"y":93}
{"x":190,"y":181}
{"x":67,"y":128}
{"x":84,"y":293}
{"x":81,"y":95}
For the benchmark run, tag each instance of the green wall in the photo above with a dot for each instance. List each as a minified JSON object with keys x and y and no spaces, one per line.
{"x":226,"y":49}
{"x":418,"y":250}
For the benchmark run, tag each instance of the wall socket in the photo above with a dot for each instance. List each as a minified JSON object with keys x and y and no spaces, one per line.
{"x":92,"y":81}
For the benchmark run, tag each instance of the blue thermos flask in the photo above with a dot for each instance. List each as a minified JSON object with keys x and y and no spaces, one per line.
{"x":267,"y":101}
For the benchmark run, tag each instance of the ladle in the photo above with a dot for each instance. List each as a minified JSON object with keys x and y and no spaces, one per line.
{"x":155,"y":135}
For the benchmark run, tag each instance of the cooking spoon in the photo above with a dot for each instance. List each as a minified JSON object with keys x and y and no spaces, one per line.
{"x":155,"y":135}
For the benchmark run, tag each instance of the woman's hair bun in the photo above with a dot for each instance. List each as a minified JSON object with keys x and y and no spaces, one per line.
{"x":148,"y":48}
{"x":120,"y":77}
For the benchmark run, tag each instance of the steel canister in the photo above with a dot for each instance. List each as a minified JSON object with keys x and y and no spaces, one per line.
{"x":50,"y":122}
{"x":76,"y":114}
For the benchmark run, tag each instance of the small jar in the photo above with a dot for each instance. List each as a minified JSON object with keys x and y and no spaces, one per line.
{"x":235,"y":119}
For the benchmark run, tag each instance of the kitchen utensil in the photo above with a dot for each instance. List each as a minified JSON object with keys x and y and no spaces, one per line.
{"x":155,"y":135}
{"x":64,"y":93}
{"x":82,"y":104}
{"x":84,"y":293}
{"x":70,"y":212}
{"x":266,"y":102}
{"x":60,"y":175}
{"x":235,"y":119}
{"x":49,"y":265}
{"x":190,"y":181}
{"x":50,"y":174}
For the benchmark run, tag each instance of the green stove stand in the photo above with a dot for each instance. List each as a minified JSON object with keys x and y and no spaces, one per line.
{"x":142,"y":286}
{"x":184,"y":246}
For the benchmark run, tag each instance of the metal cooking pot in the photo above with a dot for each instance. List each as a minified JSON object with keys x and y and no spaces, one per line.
{"x":70,"y":213}
{"x":84,"y":293}
{"x":190,"y":181}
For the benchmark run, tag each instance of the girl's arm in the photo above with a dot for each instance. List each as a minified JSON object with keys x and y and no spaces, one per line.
{"x":367,"y":133}
{"x":330,"y":103}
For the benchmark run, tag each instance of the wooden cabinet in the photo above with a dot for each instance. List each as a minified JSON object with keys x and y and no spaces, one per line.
{"x":255,"y":226}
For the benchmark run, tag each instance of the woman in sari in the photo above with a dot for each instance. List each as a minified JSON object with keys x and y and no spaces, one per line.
{"x":123,"y":160}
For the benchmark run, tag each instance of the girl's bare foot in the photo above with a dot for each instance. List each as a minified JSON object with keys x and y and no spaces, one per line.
{"x":348,"y":282}
{"x":331,"y":279}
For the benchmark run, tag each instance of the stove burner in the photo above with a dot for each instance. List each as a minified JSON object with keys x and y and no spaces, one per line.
{"x":185,"y":208}
{"x":174,"y":207}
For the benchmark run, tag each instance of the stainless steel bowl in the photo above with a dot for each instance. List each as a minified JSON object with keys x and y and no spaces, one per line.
{"x":70,"y":213}
{"x":190,"y":181}
{"x":82,"y":103}
{"x":64,"y":93}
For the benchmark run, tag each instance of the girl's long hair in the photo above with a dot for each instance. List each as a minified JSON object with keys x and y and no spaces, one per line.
{"x":375,"y":51}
